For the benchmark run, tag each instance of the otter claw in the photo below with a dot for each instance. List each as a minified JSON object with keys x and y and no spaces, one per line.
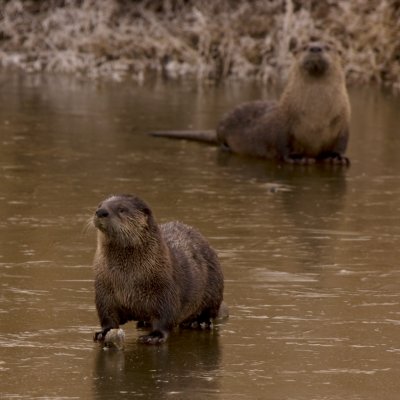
{"x":337,"y":160}
{"x":300,"y":160}
{"x":98,"y":337}
{"x":155,"y":337}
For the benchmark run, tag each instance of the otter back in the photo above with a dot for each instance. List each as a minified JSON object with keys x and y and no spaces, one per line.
{"x":197,"y":272}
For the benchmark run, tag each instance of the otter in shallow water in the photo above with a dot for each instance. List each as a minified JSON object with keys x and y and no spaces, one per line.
{"x":160,"y":275}
{"x":309,"y":123}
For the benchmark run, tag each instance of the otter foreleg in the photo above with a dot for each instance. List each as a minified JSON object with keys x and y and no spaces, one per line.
{"x":107,"y":312}
{"x":158,"y":335}
{"x":335,"y":154}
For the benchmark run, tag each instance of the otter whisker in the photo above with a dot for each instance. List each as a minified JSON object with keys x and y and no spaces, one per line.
{"x":89,"y":225}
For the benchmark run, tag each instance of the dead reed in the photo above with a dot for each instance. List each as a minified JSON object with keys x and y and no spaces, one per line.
{"x":207,"y":39}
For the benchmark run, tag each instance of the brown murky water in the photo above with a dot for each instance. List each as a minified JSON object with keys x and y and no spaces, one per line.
{"x":311,"y":255}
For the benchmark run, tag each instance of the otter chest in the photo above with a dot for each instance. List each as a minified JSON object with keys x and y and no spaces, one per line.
{"x":131,"y":295}
{"x":316,"y":126}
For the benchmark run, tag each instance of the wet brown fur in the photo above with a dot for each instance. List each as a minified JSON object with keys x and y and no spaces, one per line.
{"x":309,"y":123}
{"x":162,"y":275}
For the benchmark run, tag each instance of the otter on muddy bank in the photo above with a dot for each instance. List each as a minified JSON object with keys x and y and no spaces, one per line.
{"x":162,"y":275}
{"x":309,"y":123}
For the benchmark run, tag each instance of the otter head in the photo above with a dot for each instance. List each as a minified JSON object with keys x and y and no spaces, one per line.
{"x":316,"y":58}
{"x":124,"y":220}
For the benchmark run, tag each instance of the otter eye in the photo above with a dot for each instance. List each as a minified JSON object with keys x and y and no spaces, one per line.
{"x":122,"y":210}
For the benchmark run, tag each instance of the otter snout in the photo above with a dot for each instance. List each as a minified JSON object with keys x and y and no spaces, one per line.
{"x":102,"y":213}
{"x":315,"y":59}
{"x":315,"y":49}
{"x":100,"y":219}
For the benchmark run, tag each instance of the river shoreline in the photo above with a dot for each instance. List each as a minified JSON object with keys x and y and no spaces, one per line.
{"x":206,"y":40}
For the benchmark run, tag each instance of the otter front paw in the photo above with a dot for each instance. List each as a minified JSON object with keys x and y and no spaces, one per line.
{"x":100,"y":335}
{"x":334,"y":159}
{"x":155,"y":337}
{"x":299,"y":160}
{"x":337,"y":160}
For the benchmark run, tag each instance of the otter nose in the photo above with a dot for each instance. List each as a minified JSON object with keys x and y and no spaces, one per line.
{"x":315,"y":49}
{"x":102,"y":213}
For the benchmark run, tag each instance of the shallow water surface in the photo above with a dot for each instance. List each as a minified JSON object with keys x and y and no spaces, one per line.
{"x":310,"y":254}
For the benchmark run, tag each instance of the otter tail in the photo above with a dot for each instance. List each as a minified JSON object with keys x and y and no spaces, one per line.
{"x":198,"y":136}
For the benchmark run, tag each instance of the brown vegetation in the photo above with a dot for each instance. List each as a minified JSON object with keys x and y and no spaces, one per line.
{"x":209,"y":39}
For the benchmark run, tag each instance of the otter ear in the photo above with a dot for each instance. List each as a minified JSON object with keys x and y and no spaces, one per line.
{"x":147,"y":215}
{"x":146,"y":211}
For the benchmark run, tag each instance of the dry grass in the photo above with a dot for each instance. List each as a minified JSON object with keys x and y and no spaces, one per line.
{"x":209,"y":39}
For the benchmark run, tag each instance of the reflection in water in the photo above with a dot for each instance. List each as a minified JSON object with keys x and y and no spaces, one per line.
{"x":309,"y":253}
{"x":187,"y":364}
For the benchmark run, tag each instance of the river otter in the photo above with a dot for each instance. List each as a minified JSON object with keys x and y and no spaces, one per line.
{"x":159,"y":275}
{"x":309,"y":123}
